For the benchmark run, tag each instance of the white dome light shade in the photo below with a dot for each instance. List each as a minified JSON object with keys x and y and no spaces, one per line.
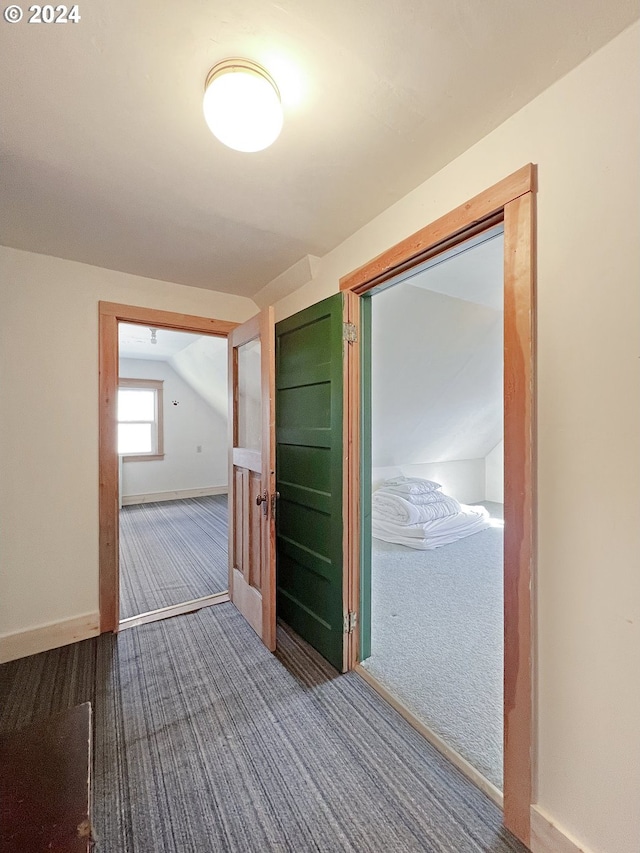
{"x":242,"y":105}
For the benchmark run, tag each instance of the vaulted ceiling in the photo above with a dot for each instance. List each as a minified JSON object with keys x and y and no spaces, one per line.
{"x":200,"y":360}
{"x":105,"y":157}
{"x":437,"y":361}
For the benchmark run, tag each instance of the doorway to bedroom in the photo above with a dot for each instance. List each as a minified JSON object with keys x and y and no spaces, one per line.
{"x":155,"y":422}
{"x":435,"y":421}
{"x":172,"y":452}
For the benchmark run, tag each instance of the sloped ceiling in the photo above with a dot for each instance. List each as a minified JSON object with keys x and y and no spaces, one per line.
{"x":200,"y":360}
{"x":474,"y":274}
{"x":203,"y":365}
{"x":437,"y":365}
{"x":135,"y":341}
{"x":105,"y":157}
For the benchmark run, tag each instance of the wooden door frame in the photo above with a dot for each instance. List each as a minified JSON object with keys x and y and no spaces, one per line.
{"x":512,"y":202}
{"x":110,"y":314}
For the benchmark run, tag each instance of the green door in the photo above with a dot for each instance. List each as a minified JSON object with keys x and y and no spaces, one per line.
{"x":309,"y":475}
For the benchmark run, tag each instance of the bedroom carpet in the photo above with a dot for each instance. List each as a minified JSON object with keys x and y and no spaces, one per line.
{"x":437,"y":639}
{"x":203,"y":740}
{"x":171,"y":552}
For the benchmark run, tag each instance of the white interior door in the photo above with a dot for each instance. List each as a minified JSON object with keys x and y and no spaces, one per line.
{"x":252,"y":495}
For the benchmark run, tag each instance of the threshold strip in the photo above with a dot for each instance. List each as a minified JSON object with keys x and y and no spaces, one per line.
{"x":173,"y":610}
{"x":434,"y":739}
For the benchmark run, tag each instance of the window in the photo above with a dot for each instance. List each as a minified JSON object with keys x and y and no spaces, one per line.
{"x":140,"y":419}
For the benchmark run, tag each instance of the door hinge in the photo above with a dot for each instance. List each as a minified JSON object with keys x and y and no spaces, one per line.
{"x":350,"y":333}
{"x":350,"y":622}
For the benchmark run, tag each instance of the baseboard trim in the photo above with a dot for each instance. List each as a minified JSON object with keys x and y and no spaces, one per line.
{"x":21,"y":644}
{"x":547,"y":837}
{"x":179,"y":494}
{"x":442,"y":746}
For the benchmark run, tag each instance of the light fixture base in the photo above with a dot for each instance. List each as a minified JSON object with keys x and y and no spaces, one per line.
{"x":238,"y":64}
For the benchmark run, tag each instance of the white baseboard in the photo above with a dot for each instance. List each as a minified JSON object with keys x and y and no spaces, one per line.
{"x":23,"y":643}
{"x":547,"y":837}
{"x":179,"y":494}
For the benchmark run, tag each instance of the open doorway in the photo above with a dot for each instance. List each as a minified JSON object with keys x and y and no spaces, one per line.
{"x":436,"y":457}
{"x":510,"y":203}
{"x":172,"y":450}
{"x":111,"y":316}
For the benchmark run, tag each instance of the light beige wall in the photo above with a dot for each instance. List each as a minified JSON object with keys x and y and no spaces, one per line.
{"x":584,"y":134}
{"x":49,"y":425}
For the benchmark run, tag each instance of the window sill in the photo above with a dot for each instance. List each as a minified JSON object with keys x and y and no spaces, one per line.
{"x":144,"y":457}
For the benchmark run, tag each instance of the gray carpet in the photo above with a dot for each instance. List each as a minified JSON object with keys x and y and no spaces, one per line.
{"x":204,"y":741}
{"x":437,"y":639}
{"x":171,"y":552}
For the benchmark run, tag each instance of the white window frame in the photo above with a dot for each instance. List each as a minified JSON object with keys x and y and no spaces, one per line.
{"x":157,"y":433}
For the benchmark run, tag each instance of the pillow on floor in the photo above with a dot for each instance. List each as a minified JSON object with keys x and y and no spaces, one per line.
{"x":410,"y":485}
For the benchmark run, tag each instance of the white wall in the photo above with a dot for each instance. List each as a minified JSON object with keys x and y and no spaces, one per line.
{"x":583,"y":133}
{"x":191,"y":424}
{"x":494,"y":474}
{"x":436,"y":377}
{"x":463,"y":479}
{"x":49,"y":425}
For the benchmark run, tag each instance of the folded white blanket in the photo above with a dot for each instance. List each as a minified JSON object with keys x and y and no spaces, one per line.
{"x":391,"y":507}
{"x":410,"y":485}
{"x":434,"y":534}
{"x":417,"y":500}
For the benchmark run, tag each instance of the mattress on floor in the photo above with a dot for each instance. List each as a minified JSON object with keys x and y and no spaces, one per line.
{"x":433,"y":534}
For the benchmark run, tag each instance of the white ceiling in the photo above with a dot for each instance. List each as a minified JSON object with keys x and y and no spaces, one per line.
{"x":105,"y":157}
{"x":475,"y":274}
{"x":200,"y":360}
{"x":135,"y":342}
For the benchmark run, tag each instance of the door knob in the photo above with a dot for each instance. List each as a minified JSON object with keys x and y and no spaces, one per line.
{"x":260,"y":499}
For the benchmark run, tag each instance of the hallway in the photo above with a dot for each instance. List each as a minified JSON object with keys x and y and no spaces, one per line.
{"x":203,"y":740}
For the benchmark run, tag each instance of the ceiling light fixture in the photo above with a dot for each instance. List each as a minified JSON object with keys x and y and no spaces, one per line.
{"x":242,"y":105}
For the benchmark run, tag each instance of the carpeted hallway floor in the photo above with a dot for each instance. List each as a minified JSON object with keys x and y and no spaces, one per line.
{"x":437,"y":638}
{"x":171,"y":552}
{"x":204,"y":741}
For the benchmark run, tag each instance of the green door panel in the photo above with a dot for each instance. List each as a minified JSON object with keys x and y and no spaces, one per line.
{"x":309,"y":475}
{"x":307,"y":407}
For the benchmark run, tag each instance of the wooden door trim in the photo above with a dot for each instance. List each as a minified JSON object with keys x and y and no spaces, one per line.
{"x":109,"y":582}
{"x":519,"y":506}
{"x":447,"y":231}
{"x":167,"y":319}
{"x":513,"y":202}
{"x":109,"y":315}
